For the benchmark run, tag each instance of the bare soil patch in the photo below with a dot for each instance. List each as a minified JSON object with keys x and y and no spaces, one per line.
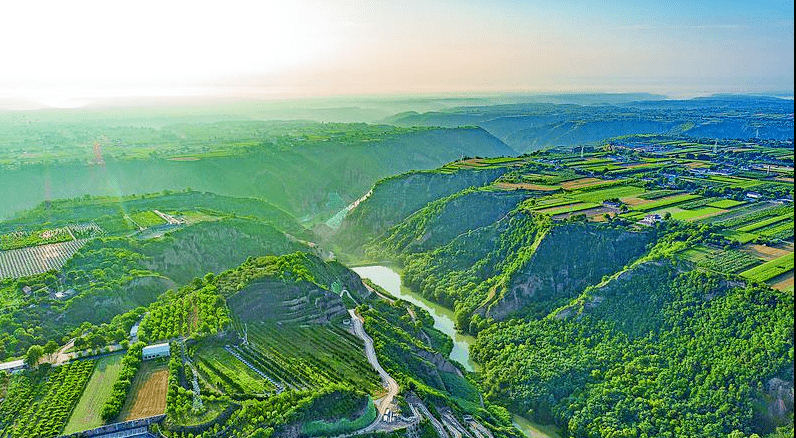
{"x":782,"y":282}
{"x":580,"y":183}
{"x":765,"y":252}
{"x":148,"y":393}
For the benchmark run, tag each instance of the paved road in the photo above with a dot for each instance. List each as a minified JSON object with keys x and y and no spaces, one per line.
{"x":387,"y":380}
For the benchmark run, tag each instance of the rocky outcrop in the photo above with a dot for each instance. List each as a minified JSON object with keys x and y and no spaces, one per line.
{"x":439,"y":361}
{"x":780,"y":395}
{"x":567,"y":260}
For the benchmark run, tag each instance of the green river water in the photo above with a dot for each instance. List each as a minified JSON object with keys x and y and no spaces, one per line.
{"x":390,"y":280}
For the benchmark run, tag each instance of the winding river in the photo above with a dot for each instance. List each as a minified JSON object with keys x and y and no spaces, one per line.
{"x":444,"y":322}
{"x":443,"y":318}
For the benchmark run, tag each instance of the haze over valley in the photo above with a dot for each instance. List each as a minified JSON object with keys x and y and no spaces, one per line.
{"x":411,"y":219}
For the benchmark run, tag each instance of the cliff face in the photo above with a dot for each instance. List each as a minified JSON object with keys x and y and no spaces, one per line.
{"x":441,"y":221}
{"x":215,"y":247}
{"x":394,"y":199}
{"x":568,"y":259}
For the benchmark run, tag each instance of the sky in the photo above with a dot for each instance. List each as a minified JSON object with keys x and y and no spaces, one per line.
{"x":70,"y":53}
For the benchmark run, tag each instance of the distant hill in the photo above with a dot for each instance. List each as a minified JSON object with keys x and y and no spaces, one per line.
{"x":566,"y":122}
{"x":308,"y":169}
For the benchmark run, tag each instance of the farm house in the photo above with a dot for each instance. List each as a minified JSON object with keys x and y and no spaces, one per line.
{"x":155,"y":351}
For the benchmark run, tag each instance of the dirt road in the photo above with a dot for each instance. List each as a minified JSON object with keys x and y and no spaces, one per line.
{"x":387,"y":380}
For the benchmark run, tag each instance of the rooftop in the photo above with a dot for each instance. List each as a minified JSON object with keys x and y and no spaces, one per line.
{"x":12,"y":364}
{"x":155,"y":349}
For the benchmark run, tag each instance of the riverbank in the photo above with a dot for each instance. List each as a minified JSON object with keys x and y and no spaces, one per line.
{"x":389,"y":279}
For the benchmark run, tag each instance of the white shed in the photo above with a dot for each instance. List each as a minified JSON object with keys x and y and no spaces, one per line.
{"x":13,"y":366}
{"x":155,"y":351}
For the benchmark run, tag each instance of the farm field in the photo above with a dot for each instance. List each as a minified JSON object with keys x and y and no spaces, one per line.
{"x":691,"y":215}
{"x":87,"y":412}
{"x":147,"y":219}
{"x":22,"y":239}
{"x":309,"y":356}
{"x":770,"y":269}
{"x":729,"y":261}
{"x":782,"y":282}
{"x":37,"y":259}
{"x":608,"y":193}
{"x":147,"y":395}
{"x":526,"y":186}
{"x":767,"y":252}
{"x":572,"y":208}
{"x":40,"y":404}
{"x":221,"y":368}
{"x":665,"y":202}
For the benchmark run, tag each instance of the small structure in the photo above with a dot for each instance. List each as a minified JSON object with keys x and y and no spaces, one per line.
{"x":13,"y":366}
{"x":155,"y":351}
{"x":650,"y":219}
{"x":753,"y":195}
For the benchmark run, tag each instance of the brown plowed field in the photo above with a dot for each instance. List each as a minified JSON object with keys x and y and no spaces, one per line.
{"x":148,"y":393}
{"x":765,"y":252}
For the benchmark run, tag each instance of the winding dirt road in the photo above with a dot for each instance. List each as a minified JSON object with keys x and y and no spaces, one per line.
{"x":386,"y":379}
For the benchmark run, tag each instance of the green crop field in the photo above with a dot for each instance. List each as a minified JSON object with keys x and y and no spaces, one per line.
{"x":729,"y":261}
{"x":665,"y":202}
{"x":725,"y":203}
{"x":309,"y":356}
{"x":87,"y":412}
{"x":147,"y":219}
{"x":33,"y":260}
{"x":782,"y":231}
{"x":689,"y":215}
{"x":764,"y":223}
{"x":580,"y":206}
{"x":41,"y":403}
{"x":220,"y":367}
{"x":608,"y":193}
{"x":770,"y":269}
{"x":740,"y":236}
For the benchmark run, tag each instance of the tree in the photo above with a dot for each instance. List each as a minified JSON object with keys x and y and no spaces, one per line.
{"x":50,"y":348}
{"x":35,"y":352}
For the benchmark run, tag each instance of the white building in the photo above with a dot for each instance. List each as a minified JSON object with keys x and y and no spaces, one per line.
{"x":13,"y":366}
{"x":155,"y":351}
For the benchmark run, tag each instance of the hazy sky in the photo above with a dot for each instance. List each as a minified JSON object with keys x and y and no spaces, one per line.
{"x":60,"y":52}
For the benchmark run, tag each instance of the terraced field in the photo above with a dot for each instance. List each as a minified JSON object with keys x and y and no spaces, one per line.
{"x":224,"y":371}
{"x":307,"y":356}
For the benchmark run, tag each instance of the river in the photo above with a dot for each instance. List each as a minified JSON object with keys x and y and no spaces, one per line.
{"x":444,"y":322}
{"x":443,"y":317}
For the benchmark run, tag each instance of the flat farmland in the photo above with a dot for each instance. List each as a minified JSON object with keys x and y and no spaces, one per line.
{"x":691,"y":215}
{"x":148,"y":393}
{"x":782,"y":282}
{"x":766,"y":252}
{"x":600,"y":195}
{"x":33,"y":260}
{"x":581,"y":183}
{"x":771,"y":269}
{"x":87,"y":412}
